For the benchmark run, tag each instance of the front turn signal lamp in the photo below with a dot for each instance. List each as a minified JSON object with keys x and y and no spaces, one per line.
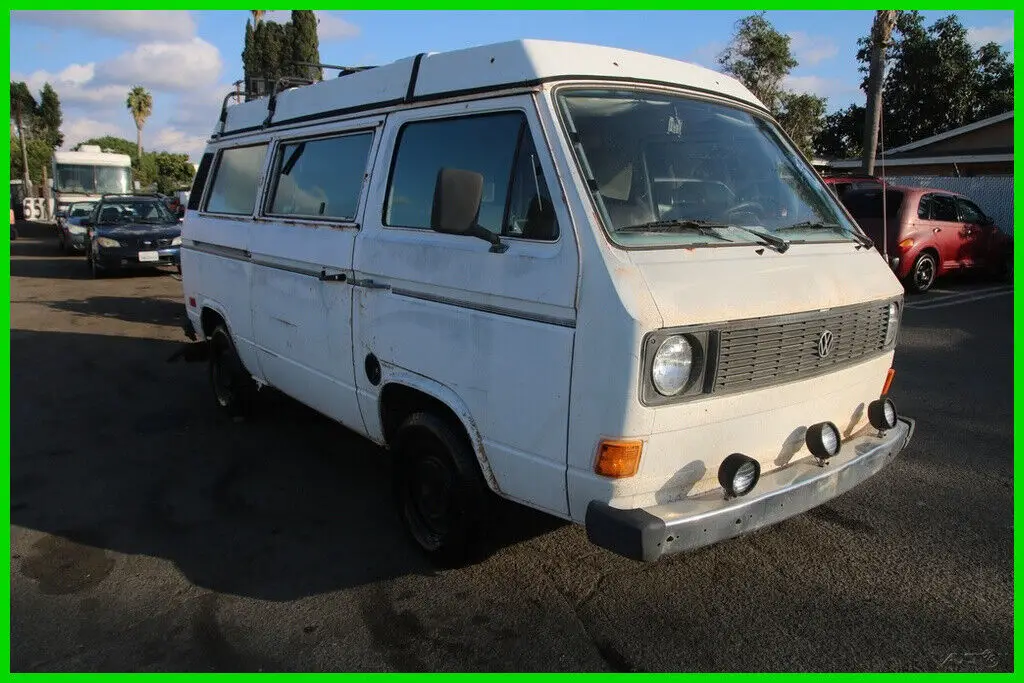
{"x":618,"y":458}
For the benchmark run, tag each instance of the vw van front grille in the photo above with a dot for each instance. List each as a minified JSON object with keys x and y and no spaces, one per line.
{"x":770,"y":351}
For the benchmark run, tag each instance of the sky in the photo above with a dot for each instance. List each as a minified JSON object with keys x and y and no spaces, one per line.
{"x":189,"y":60}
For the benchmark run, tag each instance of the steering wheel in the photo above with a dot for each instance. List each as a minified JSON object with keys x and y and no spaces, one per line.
{"x":753,"y":208}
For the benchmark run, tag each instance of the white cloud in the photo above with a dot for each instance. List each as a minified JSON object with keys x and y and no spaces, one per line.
{"x":171,"y":139}
{"x":74,"y":86}
{"x":330,"y":26}
{"x":80,"y":129}
{"x":810,"y":50}
{"x":979,"y":35}
{"x":130,"y":25}
{"x":164,"y":66}
{"x":198,"y":110}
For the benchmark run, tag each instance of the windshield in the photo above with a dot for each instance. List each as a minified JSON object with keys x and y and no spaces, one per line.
{"x":79,"y":209}
{"x":134,"y":211}
{"x":92,"y":179}
{"x":656,"y":157}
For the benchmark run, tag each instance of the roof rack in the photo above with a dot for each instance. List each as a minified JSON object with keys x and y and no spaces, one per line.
{"x":289,"y":82}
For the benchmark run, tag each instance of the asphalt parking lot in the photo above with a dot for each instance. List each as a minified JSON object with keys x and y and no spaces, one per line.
{"x":149,"y":535}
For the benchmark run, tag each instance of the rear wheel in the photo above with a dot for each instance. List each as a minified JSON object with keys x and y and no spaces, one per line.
{"x":440,"y":492}
{"x":922,"y":275}
{"x":234,"y":389}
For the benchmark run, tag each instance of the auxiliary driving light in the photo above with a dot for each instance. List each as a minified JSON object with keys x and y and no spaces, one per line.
{"x":882,"y":414}
{"x":823,"y":440}
{"x":738,"y":474}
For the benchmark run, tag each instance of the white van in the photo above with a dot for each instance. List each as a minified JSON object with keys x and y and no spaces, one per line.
{"x":600,"y":283}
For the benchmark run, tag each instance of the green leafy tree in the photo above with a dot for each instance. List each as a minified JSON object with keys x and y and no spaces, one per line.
{"x":842,"y":133}
{"x":173,"y":171}
{"x":760,"y":58}
{"x":801,"y":115}
{"x":23,"y":109}
{"x":935,"y":80}
{"x":50,"y":118}
{"x":38,"y":154}
{"x":140,"y":104}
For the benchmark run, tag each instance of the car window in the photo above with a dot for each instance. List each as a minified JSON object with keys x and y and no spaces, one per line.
{"x":320,"y":178}
{"x":924,"y":207}
{"x":969,"y":213}
{"x":943,"y":208}
{"x":485,"y":144}
{"x":235,"y":180}
{"x":867,"y":204}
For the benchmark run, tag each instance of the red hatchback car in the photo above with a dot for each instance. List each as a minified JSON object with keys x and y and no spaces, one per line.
{"x":930,"y":233}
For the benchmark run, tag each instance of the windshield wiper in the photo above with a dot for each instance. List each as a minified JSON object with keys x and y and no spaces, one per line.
{"x":777,"y":243}
{"x":863,"y":240}
{"x":679,"y":225}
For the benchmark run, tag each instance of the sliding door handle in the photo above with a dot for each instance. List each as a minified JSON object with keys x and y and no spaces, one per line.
{"x":333,"y":277}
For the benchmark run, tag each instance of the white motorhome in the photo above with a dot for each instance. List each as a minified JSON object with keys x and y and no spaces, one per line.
{"x":86,"y":174}
{"x":600,"y":283}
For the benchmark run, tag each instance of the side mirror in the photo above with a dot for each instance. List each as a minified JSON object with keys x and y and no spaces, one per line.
{"x":457,"y":197}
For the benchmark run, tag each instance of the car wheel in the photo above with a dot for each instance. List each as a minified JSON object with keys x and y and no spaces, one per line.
{"x":234,"y":389}
{"x":440,"y":493}
{"x":922,"y":275}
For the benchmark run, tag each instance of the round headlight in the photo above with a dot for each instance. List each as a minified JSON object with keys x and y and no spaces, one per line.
{"x":892,"y":323}
{"x":882,"y":414}
{"x":738,"y":474}
{"x":823,"y":440}
{"x":672,"y":365}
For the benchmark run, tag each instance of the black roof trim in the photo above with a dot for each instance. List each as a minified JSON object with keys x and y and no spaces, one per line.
{"x":370,"y":106}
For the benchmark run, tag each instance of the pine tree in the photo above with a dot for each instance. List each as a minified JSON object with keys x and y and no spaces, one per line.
{"x":305,"y":43}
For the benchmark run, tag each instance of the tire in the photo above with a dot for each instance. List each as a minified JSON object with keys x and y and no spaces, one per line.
{"x":922,"y":275}
{"x":440,"y":492}
{"x":234,"y":389}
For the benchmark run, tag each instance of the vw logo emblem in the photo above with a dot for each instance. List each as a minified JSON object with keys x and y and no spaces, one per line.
{"x":826,"y":342}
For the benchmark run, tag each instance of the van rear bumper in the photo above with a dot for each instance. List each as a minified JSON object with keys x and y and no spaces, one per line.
{"x":646,"y":534}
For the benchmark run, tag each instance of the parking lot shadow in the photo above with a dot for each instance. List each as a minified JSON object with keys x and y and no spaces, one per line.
{"x":114,"y":449}
{"x":127,"y":308}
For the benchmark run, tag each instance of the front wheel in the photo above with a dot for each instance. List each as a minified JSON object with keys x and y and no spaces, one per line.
{"x":440,"y":492}
{"x":922,"y":275}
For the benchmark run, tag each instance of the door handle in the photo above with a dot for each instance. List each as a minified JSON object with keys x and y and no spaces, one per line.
{"x":333,"y":277}
{"x":370,"y":284}
{"x":936,"y":229}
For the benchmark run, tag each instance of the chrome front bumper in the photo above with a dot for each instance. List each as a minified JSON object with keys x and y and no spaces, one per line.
{"x":648,"y":533}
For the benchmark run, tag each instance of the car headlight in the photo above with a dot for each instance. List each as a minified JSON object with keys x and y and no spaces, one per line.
{"x":176,"y":242}
{"x":892,"y":323}
{"x":673,"y":365}
{"x":107,"y":242}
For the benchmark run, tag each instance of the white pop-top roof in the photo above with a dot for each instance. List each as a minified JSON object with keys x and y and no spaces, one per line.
{"x":488,"y":67}
{"x":88,"y":157}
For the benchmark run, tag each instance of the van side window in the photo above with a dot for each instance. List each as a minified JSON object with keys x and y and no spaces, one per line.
{"x":484,"y":143}
{"x":199,"y":182}
{"x":531,"y":215}
{"x":235,"y":180}
{"x":320,"y":178}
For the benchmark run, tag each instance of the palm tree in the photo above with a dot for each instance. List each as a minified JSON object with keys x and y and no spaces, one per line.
{"x":140,"y":104}
{"x":881,"y":31}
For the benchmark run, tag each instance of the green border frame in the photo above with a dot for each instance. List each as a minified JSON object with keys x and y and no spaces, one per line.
{"x":463,"y":5}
